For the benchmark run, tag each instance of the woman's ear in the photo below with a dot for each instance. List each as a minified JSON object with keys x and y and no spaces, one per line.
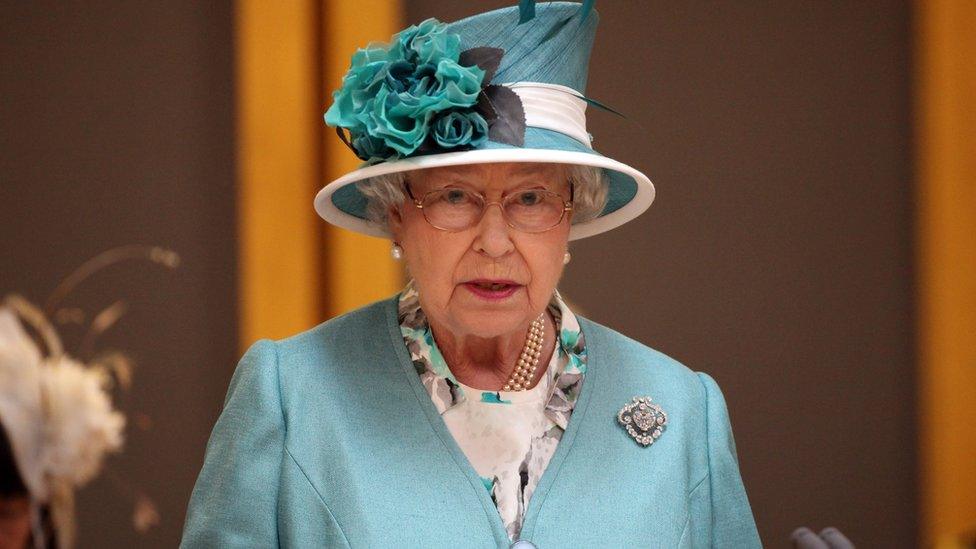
{"x":394,"y":221}
{"x":394,"y":215}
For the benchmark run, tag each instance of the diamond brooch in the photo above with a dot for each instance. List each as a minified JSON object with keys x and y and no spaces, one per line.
{"x":643,"y":420}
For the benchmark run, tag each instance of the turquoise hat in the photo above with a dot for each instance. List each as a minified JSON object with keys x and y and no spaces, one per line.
{"x":503,"y":86}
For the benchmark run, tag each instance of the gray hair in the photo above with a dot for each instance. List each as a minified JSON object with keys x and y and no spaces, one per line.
{"x":590,"y":187}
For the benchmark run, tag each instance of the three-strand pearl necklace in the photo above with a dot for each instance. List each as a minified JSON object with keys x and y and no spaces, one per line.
{"x":524,"y":371}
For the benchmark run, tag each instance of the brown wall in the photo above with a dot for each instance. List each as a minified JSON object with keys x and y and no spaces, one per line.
{"x":116,"y":127}
{"x":777,"y":254}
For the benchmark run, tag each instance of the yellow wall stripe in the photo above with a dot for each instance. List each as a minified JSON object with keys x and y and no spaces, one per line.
{"x":946,"y":163}
{"x":278,"y":161}
{"x":358,"y":269}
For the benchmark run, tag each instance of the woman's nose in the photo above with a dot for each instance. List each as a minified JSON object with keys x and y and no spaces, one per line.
{"x":494,"y":237}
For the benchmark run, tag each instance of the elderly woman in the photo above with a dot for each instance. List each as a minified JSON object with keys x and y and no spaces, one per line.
{"x":474,"y":409}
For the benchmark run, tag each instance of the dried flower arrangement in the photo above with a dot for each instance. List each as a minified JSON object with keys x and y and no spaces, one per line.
{"x":57,"y":410}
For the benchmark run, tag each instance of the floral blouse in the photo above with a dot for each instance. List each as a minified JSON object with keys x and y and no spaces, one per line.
{"x":508,"y":436}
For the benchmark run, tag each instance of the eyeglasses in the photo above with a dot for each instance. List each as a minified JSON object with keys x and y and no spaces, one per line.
{"x":456,"y":209}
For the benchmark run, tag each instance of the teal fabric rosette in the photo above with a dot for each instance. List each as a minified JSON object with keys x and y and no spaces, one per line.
{"x":458,"y":129}
{"x":417,"y":95}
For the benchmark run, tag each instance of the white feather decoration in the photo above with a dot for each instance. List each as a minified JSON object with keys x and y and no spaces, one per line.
{"x":56,"y":411}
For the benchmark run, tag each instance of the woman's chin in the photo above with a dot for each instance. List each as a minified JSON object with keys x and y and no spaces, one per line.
{"x":490,"y":324}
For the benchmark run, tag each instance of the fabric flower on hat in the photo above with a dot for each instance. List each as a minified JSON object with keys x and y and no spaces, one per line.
{"x":393,"y":95}
{"x":457,"y":128}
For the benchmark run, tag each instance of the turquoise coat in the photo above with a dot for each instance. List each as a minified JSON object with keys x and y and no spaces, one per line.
{"x":328,"y":439}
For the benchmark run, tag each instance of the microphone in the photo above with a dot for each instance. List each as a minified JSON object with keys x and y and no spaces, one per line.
{"x":829,"y":538}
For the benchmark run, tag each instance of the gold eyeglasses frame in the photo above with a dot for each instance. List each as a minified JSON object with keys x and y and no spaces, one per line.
{"x":419,"y":204}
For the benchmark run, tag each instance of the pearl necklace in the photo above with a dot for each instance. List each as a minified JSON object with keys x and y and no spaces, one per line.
{"x":524,"y":371}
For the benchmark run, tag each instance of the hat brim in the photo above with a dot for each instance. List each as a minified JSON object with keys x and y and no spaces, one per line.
{"x":629,"y":195}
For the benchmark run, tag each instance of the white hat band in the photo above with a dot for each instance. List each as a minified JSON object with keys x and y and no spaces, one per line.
{"x":553,"y":107}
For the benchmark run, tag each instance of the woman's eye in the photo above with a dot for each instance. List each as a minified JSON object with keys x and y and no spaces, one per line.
{"x":529,"y":198}
{"x":455,"y":196}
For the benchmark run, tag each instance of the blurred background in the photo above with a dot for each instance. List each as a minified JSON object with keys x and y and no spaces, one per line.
{"x":812,"y":245}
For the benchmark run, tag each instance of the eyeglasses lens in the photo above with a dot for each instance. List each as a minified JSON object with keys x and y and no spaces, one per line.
{"x":530,"y":210}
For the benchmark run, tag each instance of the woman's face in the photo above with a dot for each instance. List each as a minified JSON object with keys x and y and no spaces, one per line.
{"x":490,"y":279}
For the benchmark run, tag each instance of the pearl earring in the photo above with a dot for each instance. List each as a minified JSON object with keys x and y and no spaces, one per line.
{"x":396,"y":251}
{"x":567,"y":257}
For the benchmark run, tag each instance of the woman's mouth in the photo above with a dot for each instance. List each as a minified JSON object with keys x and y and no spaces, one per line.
{"x":492,"y":289}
